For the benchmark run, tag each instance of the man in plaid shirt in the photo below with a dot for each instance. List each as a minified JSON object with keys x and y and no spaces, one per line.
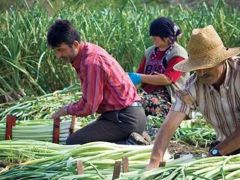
{"x":106,"y":89}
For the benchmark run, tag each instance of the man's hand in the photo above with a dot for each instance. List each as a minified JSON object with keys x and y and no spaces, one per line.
{"x":152,"y":165}
{"x":135,"y":77}
{"x":171,"y":123}
{"x":61,"y":112}
{"x":155,"y":164}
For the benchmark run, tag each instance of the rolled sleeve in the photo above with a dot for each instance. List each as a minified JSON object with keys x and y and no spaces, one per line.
{"x":180,"y":106}
{"x":92,"y":93}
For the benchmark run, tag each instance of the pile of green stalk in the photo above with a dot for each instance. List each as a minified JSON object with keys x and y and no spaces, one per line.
{"x":41,"y":107}
{"x":41,"y":130}
{"x":59,"y":161}
{"x":218,"y":168}
{"x":16,"y":152}
{"x":51,"y":161}
{"x":194,"y":132}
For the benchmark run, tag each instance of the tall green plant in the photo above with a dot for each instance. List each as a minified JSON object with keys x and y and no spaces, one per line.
{"x":27,"y":64}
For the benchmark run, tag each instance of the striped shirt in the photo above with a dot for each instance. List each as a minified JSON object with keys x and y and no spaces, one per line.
{"x":105,"y":85}
{"x":220,"y":108}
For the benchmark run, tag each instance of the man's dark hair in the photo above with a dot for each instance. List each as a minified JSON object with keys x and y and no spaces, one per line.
{"x":62,"y":32}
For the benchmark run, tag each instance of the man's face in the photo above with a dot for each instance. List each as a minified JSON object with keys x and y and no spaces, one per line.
{"x":66,"y":52}
{"x":211,"y":75}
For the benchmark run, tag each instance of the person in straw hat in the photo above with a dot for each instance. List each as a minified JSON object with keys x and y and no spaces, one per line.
{"x":213,"y":89}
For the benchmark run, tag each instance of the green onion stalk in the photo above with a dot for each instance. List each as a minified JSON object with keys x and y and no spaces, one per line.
{"x":99,"y":157}
{"x":41,"y":130}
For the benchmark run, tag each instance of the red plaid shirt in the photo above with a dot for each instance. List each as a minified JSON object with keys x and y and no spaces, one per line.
{"x":105,"y":85}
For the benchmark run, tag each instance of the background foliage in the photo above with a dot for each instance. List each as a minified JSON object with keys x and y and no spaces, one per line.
{"x":121,"y":27}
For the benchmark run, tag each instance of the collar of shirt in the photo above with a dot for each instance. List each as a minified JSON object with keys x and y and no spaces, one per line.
{"x":228,"y":75}
{"x":226,"y":80}
{"x":157,"y":54}
{"x":77,"y":60}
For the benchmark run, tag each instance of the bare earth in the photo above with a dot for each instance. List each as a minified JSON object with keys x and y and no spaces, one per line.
{"x":182,"y":148}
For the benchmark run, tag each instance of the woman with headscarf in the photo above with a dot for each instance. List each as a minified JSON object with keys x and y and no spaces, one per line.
{"x":155,"y":73}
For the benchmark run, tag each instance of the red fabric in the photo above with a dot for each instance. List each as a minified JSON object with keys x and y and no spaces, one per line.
{"x":10,"y":123}
{"x":142,"y":65}
{"x":105,"y":85}
{"x":172,"y":74}
{"x":56,"y":131}
{"x":155,"y":65}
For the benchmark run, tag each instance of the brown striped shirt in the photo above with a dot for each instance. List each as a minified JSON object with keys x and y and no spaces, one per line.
{"x":220,"y":108}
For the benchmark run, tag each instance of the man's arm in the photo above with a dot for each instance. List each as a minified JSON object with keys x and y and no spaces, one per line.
{"x":172,"y":122}
{"x":92,"y":89}
{"x":230,"y":144}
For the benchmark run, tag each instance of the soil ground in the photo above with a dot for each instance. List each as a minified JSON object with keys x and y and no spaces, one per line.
{"x":183,"y":148}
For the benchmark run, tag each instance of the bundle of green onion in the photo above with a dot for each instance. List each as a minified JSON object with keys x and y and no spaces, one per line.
{"x":47,"y":160}
{"x":194,"y":132}
{"x":41,"y":130}
{"x":224,"y":167}
{"x":51,"y":161}
{"x":41,"y":107}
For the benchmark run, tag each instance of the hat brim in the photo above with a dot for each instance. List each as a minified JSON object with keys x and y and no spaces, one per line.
{"x":206,"y":61}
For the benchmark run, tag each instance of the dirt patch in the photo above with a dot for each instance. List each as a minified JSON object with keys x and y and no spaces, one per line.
{"x":183,"y":148}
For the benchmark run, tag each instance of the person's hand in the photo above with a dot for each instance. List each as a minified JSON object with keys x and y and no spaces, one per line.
{"x":135,"y":77}
{"x":61,"y":112}
{"x":155,"y":164}
{"x":151,"y":166}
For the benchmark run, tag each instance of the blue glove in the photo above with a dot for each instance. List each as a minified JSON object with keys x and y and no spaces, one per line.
{"x":135,"y":77}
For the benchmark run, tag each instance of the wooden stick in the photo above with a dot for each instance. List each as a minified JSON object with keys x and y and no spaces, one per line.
{"x":162,"y":164}
{"x":117,"y":170}
{"x":56,"y":130}
{"x":73,"y":122}
{"x":80,"y":167}
{"x":125,"y":164}
{"x":10,"y":122}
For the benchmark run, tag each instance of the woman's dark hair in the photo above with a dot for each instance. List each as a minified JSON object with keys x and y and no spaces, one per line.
{"x":164,"y":28}
{"x":62,"y":32}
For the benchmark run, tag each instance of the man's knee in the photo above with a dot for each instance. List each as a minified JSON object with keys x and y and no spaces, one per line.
{"x":72,"y":140}
{"x":69,"y":141}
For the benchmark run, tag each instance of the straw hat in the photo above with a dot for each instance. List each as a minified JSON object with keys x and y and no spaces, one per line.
{"x":206,"y":50}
